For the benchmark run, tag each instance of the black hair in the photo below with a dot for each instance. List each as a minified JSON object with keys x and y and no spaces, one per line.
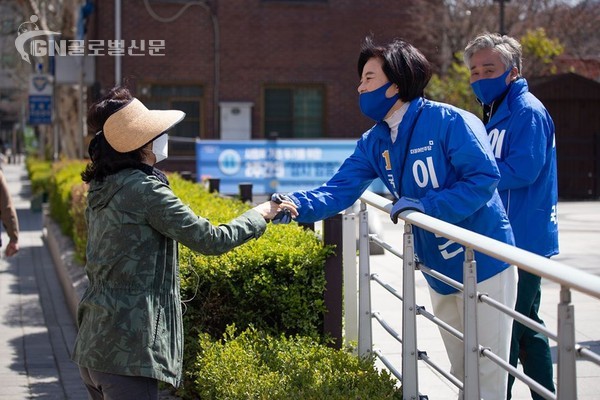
{"x":403,"y":65}
{"x":105,"y":160}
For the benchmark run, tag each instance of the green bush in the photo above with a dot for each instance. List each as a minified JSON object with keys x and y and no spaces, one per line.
{"x":254,"y":365}
{"x":275,"y":283}
{"x":272,"y":287}
{"x":65,"y":175}
{"x":39,"y":175}
{"x":77,"y":214}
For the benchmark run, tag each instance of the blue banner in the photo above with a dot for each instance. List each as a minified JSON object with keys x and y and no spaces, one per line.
{"x":272,"y":165}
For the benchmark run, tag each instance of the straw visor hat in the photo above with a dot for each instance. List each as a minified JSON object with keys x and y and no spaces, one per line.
{"x":133,"y":125}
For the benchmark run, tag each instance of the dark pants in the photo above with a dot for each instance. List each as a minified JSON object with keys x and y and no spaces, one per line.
{"x":527,"y":345}
{"x":103,"y":386}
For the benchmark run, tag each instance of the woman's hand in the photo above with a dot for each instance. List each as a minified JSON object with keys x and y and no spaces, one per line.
{"x":270,"y":209}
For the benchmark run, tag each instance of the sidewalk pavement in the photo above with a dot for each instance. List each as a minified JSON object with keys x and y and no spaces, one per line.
{"x":37,"y":330}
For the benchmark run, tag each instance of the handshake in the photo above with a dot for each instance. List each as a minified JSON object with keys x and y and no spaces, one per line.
{"x":285,"y":215}
{"x":279,"y":210}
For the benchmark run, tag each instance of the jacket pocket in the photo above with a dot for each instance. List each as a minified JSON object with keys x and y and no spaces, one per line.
{"x":158,"y":329}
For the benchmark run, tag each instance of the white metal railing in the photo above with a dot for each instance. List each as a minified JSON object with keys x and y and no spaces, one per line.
{"x":359,"y":316}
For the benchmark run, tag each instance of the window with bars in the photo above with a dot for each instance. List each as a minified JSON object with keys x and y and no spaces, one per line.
{"x":294,"y":112}
{"x":187,"y":98}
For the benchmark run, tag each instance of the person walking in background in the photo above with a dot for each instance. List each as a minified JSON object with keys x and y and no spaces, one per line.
{"x":433,"y":158}
{"x":521,"y":133}
{"x":9,"y":218}
{"x":129,"y":318}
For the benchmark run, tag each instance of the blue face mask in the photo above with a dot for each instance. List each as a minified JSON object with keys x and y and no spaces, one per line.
{"x":488,"y":90}
{"x":375,"y":105}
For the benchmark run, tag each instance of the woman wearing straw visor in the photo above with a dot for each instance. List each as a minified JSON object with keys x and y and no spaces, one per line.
{"x":130,"y":326}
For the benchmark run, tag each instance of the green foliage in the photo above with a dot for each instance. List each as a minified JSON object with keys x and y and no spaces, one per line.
{"x":39,"y":175}
{"x":454,"y":88}
{"x":65,"y":175}
{"x":255,"y":365}
{"x":77,"y":214}
{"x":274,"y":284}
{"x":539,"y":52}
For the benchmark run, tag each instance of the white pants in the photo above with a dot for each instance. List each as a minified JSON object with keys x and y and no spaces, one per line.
{"x":493,"y":330}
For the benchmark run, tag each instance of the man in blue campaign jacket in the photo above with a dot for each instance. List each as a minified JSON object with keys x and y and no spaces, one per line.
{"x":434,"y":158}
{"x":521,"y":133}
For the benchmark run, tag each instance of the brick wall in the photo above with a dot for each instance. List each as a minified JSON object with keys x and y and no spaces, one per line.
{"x":265,"y":42}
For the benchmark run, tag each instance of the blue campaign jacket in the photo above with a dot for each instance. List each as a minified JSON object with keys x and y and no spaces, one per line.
{"x":521,"y":133}
{"x":449,"y":167}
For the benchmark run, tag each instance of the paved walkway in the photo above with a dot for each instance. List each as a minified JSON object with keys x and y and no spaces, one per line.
{"x":37,"y":329}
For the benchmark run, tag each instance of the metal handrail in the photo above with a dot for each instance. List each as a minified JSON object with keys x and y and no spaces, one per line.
{"x":567,"y":276}
{"x":533,"y":263}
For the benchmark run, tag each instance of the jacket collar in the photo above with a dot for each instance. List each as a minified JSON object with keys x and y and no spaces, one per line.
{"x":381,"y":131}
{"x":516,"y":89}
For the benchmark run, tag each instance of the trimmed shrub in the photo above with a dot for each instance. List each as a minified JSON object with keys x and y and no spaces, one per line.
{"x":77,"y":214}
{"x":65,"y":175}
{"x":39,"y":175}
{"x":271,"y":287}
{"x":254,"y":365}
{"x":275,"y":283}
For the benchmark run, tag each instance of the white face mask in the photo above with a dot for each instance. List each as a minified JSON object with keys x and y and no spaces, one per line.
{"x":160,"y":147}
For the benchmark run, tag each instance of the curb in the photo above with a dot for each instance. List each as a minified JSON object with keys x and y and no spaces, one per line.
{"x":71,"y":275}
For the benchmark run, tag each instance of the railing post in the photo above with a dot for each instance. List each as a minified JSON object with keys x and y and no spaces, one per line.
{"x":470,"y":340}
{"x":567,"y":377}
{"x":365,"y":333}
{"x":245,"y":192}
{"x":350,"y":278}
{"x":410,"y":375}
{"x":213,"y":185}
{"x":332,"y":321}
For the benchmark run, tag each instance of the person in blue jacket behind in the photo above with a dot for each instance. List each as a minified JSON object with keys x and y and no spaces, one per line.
{"x":434,"y":158}
{"x":521,"y":133}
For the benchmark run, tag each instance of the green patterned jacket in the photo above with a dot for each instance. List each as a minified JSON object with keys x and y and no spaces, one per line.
{"x":129,"y":317}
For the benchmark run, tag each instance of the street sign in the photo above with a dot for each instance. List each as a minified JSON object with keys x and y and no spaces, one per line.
{"x":40,"y":99}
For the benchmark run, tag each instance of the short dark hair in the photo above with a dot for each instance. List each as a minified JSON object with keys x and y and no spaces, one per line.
{"x":403,"y":65}
{"x":104,"y":159}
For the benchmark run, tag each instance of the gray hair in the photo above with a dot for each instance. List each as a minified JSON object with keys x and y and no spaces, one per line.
{"x":508,"y":48}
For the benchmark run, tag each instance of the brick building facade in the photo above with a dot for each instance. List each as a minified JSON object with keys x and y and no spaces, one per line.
{"x":290,"y":64}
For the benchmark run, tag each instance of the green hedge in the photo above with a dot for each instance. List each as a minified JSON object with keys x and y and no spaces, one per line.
{"x":254,"y":365}
{"x":272,"y":288}
{"x":275,"y":283}
{"x":65,"y":175}
{"x":39,"y":172}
